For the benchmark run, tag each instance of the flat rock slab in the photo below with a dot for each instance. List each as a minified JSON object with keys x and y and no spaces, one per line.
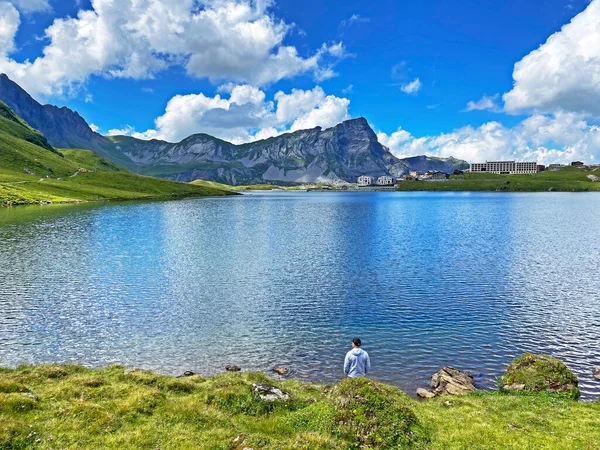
{"x":270,"y":393}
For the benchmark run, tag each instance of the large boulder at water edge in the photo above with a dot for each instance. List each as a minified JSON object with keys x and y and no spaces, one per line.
{"x":597,"y":373}
{"x":540,"y":373}
{"x":449,"y":381}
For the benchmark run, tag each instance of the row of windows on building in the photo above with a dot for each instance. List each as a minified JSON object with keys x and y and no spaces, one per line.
{"x":506,"y":167}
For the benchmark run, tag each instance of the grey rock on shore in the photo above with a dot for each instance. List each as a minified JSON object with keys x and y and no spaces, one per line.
{"x":449,"y":381}
{"x":270,"y":393}
{"x":597,"y":373}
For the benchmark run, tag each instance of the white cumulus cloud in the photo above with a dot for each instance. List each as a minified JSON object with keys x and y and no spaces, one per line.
{"x":242,"y":113}
{"x":222,"y":40}
{"x":9,"y":24}
{"x":560,"y":137}
{"x":564,"y":73}
{"x":413,"y":87}
{"x":485,"y":103}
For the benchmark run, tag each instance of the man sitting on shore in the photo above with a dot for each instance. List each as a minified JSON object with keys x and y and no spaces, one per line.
{"x":357,"y":363}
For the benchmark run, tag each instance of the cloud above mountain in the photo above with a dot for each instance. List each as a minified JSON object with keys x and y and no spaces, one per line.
{"x":242,"y":113}
{"x":222,"y":40}
{"x":562,"y":74}
{"x":9,"y":24}
{"x":560,"y":137}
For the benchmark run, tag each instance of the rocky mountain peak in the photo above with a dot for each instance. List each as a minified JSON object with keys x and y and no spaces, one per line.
{"x":63,"y":127}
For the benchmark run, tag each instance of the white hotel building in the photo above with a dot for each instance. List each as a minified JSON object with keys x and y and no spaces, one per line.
{"x":505,"y":167}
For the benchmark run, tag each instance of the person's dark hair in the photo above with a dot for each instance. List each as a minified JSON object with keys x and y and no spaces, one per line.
{"x":356,"y":341}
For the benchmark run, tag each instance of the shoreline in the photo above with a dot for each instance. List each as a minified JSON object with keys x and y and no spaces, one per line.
{"x":290,"y":375}
{"x":66,"y":406}
{"x":115,"y":200}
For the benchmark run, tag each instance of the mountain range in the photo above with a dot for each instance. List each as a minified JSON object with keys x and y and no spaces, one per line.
{"x":335,"y":155}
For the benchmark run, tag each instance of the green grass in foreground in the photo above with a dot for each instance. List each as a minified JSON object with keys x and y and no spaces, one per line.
{"x":69,"y":407}
{"x":568,"y":179}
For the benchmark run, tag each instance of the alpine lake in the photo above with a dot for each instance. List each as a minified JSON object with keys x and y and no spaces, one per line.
{"x":469,"y":280}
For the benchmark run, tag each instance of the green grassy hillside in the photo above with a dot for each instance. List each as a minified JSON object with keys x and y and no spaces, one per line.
{"x":13,"y":125}
{"x":32,"y":172}
{"x":91,"y":161}
{"x":99,"y":186}
{"x":69,"y":407}
{"x":568,"y":179}
{"x":252,"y":187}
{"x":213,"y":184}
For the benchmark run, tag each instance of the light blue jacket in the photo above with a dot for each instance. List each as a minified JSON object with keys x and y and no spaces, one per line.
{"x":357,"y":363}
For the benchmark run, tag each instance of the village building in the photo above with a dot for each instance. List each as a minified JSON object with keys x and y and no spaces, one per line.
{"x":365,"y":181}
{"x":385,"y":181}
{"x":436,"y":176}
{"x":505,"y":167}
{"x":577,"y":164}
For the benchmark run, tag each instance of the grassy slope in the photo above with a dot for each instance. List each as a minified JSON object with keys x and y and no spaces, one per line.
{"x":99,"y":186}
{"x":71,"y":407}
{"x":31,"y":173}
{"x":213,"y":184}
{"x":253,"y":187}
{"x":15,"y":126}
{"x":567,"y":179}
{"x":89,"y":160}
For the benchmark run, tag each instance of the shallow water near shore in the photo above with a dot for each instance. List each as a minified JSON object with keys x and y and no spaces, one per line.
{"x":470,"y":280}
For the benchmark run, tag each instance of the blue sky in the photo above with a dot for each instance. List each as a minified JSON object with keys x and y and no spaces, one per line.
{"x":410,"y":68}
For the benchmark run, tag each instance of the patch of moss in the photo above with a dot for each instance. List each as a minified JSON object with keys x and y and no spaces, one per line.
{"x":541,"y":373}
{"x":373,"y":415}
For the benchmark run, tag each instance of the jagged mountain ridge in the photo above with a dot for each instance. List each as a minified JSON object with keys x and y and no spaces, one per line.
{"x":338,"y":154}
{"x":62,"y":127}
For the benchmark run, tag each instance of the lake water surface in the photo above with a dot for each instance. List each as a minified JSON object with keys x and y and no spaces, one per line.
{"x":287,"y":279}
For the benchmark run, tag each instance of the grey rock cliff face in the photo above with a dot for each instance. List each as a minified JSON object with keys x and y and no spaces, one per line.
{"x":62,"y":127}
{"x":335,"y":155}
